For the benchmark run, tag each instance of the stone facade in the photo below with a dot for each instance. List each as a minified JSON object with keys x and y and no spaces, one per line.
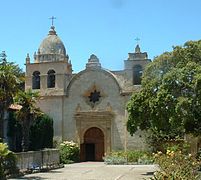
{"x":92,"y":98}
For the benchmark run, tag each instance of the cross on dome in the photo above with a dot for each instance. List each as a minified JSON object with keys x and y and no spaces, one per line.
{"x":137,"y":40}
{"x":52,"y":19}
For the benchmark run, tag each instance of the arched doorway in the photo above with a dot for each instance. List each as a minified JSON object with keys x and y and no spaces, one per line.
{"x":93,"y":147}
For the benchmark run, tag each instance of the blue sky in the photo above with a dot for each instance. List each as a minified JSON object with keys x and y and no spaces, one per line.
{"x":107,"y":28}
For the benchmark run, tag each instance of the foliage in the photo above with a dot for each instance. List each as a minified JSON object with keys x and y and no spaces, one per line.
{"x":27,"y":113}
{"x":14,"y":132}
{"x":41,"y":133}
{"x":69,"y":152}
{"x":159,"y":141}
{"x":7,"y":162}
{"x":11,"y":78}
{"x":128,"y":157}
{"x":141,"y":157}
{"x":176,"y":165}
{"x":176,"y":145}
{"x":115,"y":160}
{"x":169,"y":103}
{"x":199,"y":158}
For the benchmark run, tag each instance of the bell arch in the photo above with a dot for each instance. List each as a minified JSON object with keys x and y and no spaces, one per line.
{"x":137,"y":73}
{"x":36,"y":80}
{"x":51,"y":79}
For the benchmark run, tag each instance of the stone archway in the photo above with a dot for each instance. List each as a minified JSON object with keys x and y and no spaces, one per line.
{"x":92,"y":149}
{"x":91,"y":124}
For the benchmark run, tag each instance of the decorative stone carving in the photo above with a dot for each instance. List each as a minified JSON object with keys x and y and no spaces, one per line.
{"x":93,"y":95}
{"x":99,"y":119}
{"x":93,"y":62}
{"x":78,"y":108}
{"x":109,"y":107}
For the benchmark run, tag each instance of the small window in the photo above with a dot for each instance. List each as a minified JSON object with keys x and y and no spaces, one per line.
{"x":36,"y":80}
{"x":137,"y":73}
{"x":51,"y":79}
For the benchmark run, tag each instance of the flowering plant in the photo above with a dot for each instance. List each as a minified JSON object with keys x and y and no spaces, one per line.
{"x":176,"y":165}
{"x":69,"y":152}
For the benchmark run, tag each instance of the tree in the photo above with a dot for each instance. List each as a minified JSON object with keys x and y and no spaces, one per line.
{"x":14,"y":132}
{"x":11,"y":77}
{"x":41,"y":132}
{"x":169,"y":103}
{"x":27,"y":113}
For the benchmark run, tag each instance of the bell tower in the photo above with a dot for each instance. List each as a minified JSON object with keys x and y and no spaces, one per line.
{"x":51,"y":70}
{"x":135,"y":65}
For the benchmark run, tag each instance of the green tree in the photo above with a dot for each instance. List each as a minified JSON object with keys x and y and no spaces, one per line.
{"x":169,"y":103}
{"x":11,"y":78}
{"x":14,"y":132}
{"x":27,"y":113}
{"x":41,"y":132}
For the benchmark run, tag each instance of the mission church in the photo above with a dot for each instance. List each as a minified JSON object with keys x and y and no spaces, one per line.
{"x":88,"y":107}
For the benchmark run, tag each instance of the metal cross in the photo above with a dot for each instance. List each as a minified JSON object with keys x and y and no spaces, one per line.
{"x":137,"y":40}
{"x":52,"y":18}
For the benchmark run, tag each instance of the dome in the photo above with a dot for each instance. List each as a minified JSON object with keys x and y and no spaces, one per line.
{"x":51,"y":48}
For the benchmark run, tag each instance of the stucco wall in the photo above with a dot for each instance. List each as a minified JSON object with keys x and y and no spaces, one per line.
{"x":111,"y":92}
{"x":52,"y":105}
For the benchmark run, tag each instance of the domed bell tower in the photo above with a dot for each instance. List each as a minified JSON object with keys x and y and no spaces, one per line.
{"x":51,"y":70}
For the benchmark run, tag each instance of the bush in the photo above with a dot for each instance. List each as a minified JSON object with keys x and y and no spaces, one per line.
{"x":69,"y":152}
{"x":41,"y":133}
{"x":129,"y":157}
{"x":7,"y":162}
{"x":176,"y":165}
{"x":198,"y":157}
{"x":115,"y":160}
{"x":14,"y":133}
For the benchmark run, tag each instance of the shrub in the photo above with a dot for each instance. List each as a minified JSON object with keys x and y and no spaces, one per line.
{"x":176,"y":165}
{"x":69,"y":152}
{"x":14,"y":133}
{"x":128,"y":157}
{"x":7,"y":162}
{"x":198,"y":157}
{"x":115,"y":160}
{"x":145,"y":159}
{"x":41,"y":133}
{"x":176,"y":145}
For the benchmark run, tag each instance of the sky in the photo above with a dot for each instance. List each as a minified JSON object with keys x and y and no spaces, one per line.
{"x":106,"y":28}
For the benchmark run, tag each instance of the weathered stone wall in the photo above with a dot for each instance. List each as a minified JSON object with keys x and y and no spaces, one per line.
{"x":63,"y":109}
{"x":71,"y":94}
{"x":53,"y":106}
{"x":61,"y":77}
{"x":37,"y":159}
{"x":111,"y":94}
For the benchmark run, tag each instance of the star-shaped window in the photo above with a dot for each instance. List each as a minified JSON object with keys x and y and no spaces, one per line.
{"x":94,"y":96}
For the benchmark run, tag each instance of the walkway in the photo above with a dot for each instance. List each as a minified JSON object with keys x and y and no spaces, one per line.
{"x":96,"y":171}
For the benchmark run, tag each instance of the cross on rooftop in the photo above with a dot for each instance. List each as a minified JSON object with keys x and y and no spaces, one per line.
{"x":137,"y":40}
{"x":52,"y":18}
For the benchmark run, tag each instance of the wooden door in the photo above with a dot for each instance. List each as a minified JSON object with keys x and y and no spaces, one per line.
{"x":93,"y":147}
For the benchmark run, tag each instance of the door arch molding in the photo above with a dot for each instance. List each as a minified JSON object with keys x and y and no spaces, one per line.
{"x":92,"y":148}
